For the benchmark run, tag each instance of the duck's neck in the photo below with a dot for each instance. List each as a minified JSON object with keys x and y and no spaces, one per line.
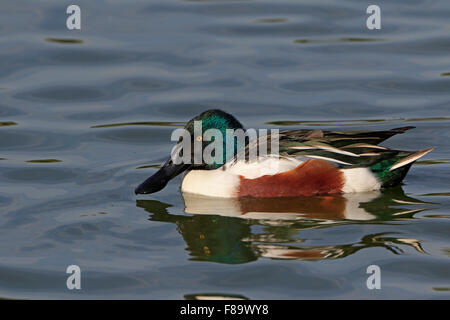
{"x":230,"y":149}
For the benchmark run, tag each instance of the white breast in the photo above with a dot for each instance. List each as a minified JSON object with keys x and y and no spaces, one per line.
{"x":212,"y":183}
{"x":225,"y":183}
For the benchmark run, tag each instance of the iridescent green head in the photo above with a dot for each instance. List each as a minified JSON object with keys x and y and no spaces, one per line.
{"x":211,"y":128}
{"x":202,"y":144}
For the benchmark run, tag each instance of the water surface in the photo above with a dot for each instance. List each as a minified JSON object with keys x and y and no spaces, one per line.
{"x":87,"y":115}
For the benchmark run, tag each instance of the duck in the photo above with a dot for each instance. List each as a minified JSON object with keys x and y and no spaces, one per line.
{"x":304,"y":162}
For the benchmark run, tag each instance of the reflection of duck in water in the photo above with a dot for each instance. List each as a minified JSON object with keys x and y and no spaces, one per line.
{"x":208,"y":238}
{"x":340,"y":251}
{"x":332,"y":207}
{"x":356,"y":206}
{"x":342,"y":162}
{"x":222,"y":231}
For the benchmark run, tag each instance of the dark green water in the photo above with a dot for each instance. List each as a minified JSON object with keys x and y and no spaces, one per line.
{"x":87,"y":115}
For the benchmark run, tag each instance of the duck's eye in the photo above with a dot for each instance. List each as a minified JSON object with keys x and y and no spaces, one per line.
{"x":199,"y":138}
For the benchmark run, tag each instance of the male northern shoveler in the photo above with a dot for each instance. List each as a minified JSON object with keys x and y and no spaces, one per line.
{"x":310,"y":162}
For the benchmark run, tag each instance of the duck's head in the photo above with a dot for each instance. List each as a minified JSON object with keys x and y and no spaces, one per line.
{"x":176,"y":164}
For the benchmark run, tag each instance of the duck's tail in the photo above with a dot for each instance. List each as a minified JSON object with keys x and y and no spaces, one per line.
{"x":391,"y":171}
